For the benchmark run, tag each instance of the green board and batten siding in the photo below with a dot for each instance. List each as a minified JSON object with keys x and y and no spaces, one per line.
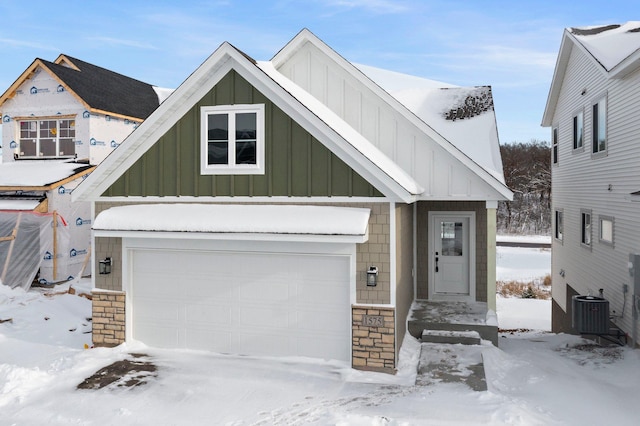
{"x":297,"y":165}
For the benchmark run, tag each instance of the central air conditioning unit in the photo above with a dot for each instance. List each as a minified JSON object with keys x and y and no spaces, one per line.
{"x":590,"y":314}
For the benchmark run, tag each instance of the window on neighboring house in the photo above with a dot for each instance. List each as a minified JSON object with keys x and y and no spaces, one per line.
{"x":554,"y":145}
{"x":599,"y":127}
{"x":578,"y":130}
{"x":232,"y":139}
{"x":559,"y":227}
{"x":585,"y":237}
{"x":606,"y":229}
{"x":47,"y":138}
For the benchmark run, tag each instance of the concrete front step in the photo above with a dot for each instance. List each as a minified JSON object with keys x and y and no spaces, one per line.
{"x":443,"y":363}
{"x":463,"y":337}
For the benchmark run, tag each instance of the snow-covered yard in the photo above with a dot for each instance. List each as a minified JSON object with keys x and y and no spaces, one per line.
{"x":533,"y":378}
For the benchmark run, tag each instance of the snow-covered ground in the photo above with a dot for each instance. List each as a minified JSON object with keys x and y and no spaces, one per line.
{"x":522,"y":263}
{"x":534,"y":378}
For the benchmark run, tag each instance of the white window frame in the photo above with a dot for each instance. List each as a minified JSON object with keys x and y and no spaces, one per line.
{"x":231,"y":168}
{"x":38,"y":137}
{"x":586,"y":228}
{"x":578,"y":124}
{"x":555,"y":154}
{"x":558,"y":224}
{"x":600,"y":103}
{"x":601,"y":228}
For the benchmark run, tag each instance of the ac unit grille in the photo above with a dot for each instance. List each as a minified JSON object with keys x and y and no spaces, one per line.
{"x":590,"y":315}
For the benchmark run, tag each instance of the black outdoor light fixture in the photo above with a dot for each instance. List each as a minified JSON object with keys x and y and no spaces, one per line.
{"x":104,"y":266}
{"x":372,"y":276}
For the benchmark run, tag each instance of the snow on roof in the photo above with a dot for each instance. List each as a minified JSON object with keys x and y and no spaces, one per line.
{"x":358,"y":141}
{"x":395,"y":81}
{"x":18,"y":205}
{"x":38,"y":173}
{"x":610,"y":44}
{"x":233,"y":218}
{"x":462,"y":115}
{"x":163,"y":93}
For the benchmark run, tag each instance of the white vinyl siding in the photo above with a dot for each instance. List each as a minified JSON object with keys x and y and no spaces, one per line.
{"x":601,"y":185}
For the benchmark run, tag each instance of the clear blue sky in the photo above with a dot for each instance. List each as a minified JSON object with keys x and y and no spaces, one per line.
{"x":510,"y":45}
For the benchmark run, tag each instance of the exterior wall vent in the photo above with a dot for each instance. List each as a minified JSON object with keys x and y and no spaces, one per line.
{"x":590,"y":314}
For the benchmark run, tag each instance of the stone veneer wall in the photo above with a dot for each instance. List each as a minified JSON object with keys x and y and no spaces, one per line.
{"x":108,"y":312}
{"x":373,"y":347}
{"x":424,"y":207}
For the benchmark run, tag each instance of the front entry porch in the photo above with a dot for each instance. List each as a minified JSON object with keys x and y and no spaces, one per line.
{"x":461,"y":319}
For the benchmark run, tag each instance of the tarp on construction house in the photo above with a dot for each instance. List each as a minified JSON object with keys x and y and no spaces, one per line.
{"x":26,"y":238}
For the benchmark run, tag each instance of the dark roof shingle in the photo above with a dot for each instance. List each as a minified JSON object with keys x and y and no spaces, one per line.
{"x":106,"y":90}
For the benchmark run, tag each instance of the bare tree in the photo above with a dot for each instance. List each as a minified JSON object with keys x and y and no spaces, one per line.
{"x":527,"y":172}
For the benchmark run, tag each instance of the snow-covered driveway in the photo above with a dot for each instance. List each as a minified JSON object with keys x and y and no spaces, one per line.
{"x":534,"y":378}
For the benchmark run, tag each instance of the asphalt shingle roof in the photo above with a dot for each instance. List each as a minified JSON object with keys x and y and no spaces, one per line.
{"x":106,"y":90}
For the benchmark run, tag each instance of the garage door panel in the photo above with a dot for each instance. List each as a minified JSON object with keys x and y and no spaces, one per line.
{"x":158,"y":334}
{"x":264,"y":291}
{"x":210,"y":314}
{"x":207,"y":339}
{"x":157,"y":309}
{"x":246,"y":303}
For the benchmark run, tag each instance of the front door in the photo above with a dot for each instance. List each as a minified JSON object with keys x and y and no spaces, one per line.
{"x":452,"y":256}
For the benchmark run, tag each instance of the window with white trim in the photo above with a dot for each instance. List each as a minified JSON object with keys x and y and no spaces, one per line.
{"x":47,"y":138}
{"x":232,"y":139}
{"x":559,"y":225}
{"x":599,"y":127}
{"x":578,"y":130}
{"x":585,"y":234}
{"x":606,"y":229}
{"x":554,"y":145}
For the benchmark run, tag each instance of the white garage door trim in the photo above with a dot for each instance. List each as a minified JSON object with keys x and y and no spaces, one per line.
{"x":255,"y":249}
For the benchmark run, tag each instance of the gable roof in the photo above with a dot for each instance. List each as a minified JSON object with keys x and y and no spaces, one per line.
{"x":322,"y":123}
{"x":362,"y":157}
{"x":396,"y":88}
{"x":98,"y":89}
{"x":614,"y":48}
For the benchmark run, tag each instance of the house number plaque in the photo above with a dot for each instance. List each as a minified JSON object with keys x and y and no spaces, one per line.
{"x":373,"y":320}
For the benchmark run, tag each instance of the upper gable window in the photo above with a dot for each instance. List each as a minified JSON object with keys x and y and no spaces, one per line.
{"x":232,"y":139}
{"x":47,"y":138}
{"x":578,"y":130}
{"x":599,"y":127}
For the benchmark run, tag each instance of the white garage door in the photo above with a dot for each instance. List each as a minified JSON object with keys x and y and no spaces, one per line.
{"x":243,"y":303}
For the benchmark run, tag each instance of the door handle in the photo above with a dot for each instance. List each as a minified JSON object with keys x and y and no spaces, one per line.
{"x":436,"y":261}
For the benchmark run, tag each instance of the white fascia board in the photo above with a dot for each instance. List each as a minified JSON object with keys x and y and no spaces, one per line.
{"x":157,"y":124}
{"x":626,"y":66}
{"x":244,"y":200}
{"x":307,"y":36}
{"x":310,"y":238}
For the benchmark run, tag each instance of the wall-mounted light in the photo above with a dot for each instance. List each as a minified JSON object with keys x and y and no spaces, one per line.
{"x":372,"y":276}
{"x":104,"y":266}
{"x":561,"y":273}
